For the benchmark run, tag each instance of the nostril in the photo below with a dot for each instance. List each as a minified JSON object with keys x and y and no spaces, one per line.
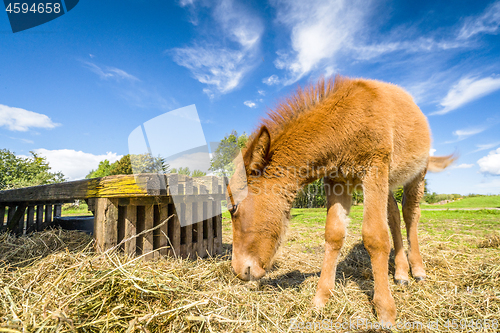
{"x":247,"y":271}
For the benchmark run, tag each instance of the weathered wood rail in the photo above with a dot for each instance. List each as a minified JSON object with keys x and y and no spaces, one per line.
{"x":125,"y":207}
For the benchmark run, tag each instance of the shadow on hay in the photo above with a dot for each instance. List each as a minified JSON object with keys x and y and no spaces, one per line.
{"x":355,"y":266}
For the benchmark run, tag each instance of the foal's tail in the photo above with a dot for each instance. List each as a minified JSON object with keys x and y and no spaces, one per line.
{"x":439,"y":163}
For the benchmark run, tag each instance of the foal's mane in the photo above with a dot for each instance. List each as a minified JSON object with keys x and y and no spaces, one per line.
{"x":291,"y":107}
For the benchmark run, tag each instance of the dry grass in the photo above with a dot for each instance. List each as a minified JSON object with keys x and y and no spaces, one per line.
{"x":491,"y":241}
{"x":52,"y":281}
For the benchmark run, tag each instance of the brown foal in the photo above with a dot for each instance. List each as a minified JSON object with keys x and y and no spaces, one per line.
{"x":352,"y":132}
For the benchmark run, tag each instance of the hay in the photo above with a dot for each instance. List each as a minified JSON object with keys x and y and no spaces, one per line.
{"x":491,"y":241}
{"x":52,"y":281}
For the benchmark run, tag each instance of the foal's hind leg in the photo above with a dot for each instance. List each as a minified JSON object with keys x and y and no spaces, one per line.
{"x":335,"y":230}
{"x":413,"y":193}
{"x":401,"y":273}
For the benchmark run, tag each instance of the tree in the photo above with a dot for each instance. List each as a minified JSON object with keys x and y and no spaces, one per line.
{"x":16,"y":172}
{"x":187,"y":172}
{"x":311,"y":196}
{"x":129,"y":164}
{"x":198,"y":173}
{"x":103,"y":170}
{"x":122,"y":167}
{"x":228,"y":149}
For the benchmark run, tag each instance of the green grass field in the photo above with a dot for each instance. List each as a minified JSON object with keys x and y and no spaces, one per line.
{"x":81,"y":210}
{"x":490,"y":201}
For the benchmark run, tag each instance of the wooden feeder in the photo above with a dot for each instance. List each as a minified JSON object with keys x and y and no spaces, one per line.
{"x":125,"y":207}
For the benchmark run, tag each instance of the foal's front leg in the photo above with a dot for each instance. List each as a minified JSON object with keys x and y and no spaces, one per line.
{"x":335,"y":231}
{"x":376,"y":241}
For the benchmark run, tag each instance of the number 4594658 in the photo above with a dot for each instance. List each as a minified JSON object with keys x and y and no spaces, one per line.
{"x":42,"y":7}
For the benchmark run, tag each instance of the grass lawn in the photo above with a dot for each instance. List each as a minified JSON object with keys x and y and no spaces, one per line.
{"x":486,"y":201}
{"x":80,"y":210}
{"x":52,"y":281}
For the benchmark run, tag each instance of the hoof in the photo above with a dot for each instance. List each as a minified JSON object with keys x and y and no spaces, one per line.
{"x":419,"y":278}
{"x":402,"y":282}
{"x":319,"y":301}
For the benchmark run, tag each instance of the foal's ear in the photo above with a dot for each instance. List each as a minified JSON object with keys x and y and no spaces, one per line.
{"x":256,"y":156}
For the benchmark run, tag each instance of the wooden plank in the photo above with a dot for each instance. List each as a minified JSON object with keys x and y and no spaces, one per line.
{"x":156,"y":232}
{"x":57,"y":210}
{"x":188,"y":222}
{"x":181,"y":209}
{"x":130,"y":230}
{"x":48,"y":216}
{"x":143,"y":201}
{"x":164,"y":241}
{"x":2,"y":216}
{"x":188,"y":186}
{"x":122,"y":213}
{"x":106,"y":223}
{"x":30,"y":220}
{"x":210,"y":183}
{"x":210,"y":232}
{"x":173,"y":184}
{"x":147,"y":245}
{"x":39,"y":217}
{"x":15,"y":217}
{"x":21,"y":227}
{"x":218,"y":223}
{"x":201,"y":250}
{"x":197,"y":219}
{"x":193,"y":198}
{"x":10,"y":213}
{"x":91,"y":204}
{"x":174,"y":230}
{"x":105,"y":187}
{"x":200,"y":186}
{"x":141,"y":210}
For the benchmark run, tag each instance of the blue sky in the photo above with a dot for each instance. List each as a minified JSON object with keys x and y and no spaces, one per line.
{"x":73,"y":89}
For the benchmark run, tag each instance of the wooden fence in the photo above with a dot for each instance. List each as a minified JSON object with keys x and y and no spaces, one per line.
{"x":125,"y":208}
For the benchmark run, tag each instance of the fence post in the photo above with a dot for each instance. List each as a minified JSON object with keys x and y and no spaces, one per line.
{"x":106,"y":223}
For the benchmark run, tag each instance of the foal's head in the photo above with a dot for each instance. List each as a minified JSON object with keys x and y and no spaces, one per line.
{"x":259,"y":218}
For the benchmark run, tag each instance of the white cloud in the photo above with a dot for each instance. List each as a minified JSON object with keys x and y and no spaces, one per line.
{"x":463,"y":134}
{"x":17,"y":119}
{"x":23,"y":140}
{"x":184,"y":3}
{"x":319,"y":31}
{"x":462,"y":166}
{"x":485,"y":146}
{"x":136,"y":92}
{"x":468,"y":90}
{"x":325,"y":32}
{"x":250,"y":104}
{"x":110,"y":72}
{"x":273,"y":79}
{"x":490,"y":164}
{"x":218,"y":65}
{"x":209,"y":93}
{"x":422,"y":44}
{"x":221,"y":68}
{"x":261,"y":92}
{"x":488,"y":22}
{"x":432,"y":151}
{"x":74,"y":164}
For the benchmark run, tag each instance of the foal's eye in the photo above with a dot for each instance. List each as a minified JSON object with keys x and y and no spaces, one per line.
{"x":233,"y":208}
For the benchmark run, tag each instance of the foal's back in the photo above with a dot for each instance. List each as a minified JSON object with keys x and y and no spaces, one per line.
{"x":391,"y":121}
